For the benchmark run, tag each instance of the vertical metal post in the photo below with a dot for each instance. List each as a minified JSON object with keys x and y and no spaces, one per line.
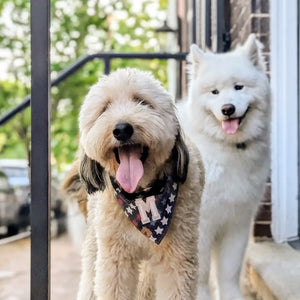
{"x":194,"y":22}
{"x":223,"y":25}
{"x":220,"y":25}
{"x":208,"y":23}
{"x":40,"y":141}
{"x":298,"y":91}
{"x":107,"y":65}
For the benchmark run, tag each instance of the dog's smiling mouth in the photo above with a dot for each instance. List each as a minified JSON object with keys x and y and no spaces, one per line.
{"x":131,"y":169}
{"x":144,"y":152}
{"x":231,"y":125}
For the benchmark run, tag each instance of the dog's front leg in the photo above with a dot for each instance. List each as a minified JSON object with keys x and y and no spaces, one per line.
{"x":89,"y":252}
{"x":232,"y":248}
{"x":177,"y":273}
{"x":146,"y":285}
{"x":116,"y":271}
{"x":88,"y":258}
{"x":204,"y":253}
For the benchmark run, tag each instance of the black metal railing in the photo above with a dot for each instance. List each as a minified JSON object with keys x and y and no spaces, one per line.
{"x":107,"y":57}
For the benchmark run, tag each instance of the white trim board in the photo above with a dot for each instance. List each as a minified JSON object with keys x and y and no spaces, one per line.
{"x":284,"y":84}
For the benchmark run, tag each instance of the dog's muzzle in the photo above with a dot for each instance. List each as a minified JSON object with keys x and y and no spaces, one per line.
{"x":130,"y":156}
{"x":231,"y":124}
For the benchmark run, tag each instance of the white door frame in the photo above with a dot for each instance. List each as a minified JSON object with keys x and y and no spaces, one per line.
{"x":284,"y":83}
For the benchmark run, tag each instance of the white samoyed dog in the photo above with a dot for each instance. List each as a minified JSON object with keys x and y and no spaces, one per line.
{"x":227,"y":114}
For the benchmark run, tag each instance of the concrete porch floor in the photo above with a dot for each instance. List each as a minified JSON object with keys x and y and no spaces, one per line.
{"x":273,"y":271}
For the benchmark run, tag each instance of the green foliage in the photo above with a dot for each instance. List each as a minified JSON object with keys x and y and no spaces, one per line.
{"x":77,"y":28}
{"x":14,"y":136}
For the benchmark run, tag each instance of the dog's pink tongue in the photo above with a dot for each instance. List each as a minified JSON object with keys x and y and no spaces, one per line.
{"x":131,"y":168}
{"x":230,"y":126}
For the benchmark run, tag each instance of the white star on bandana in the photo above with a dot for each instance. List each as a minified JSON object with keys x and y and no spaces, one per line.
{"x":153,"y":239}
{"x":164,"y":221}
{"x":129,"y":210}
{"x":168,"y":209}
{"x":158,"y":230}
{"x":132,"y":206}
{"x":172,"y":198}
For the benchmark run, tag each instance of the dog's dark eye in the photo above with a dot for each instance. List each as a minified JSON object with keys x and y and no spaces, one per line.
{"x":141,"y":101}
{"x":105,"y":107}
{"x":238,"y":87}
{"x":215,"y":92}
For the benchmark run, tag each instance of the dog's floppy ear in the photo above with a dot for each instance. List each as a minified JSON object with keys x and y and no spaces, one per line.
{"x":180,"y":159}
{"x":91,"y":173}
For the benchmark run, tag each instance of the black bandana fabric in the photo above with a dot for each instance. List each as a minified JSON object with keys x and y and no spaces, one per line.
{"x":151,"y":214}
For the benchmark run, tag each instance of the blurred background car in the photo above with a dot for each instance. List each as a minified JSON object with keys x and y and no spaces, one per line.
{"x":17,"y":175}
{"x":8,"y":207}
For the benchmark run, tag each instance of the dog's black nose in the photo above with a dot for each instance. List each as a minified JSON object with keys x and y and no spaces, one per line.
{"x":228,"y":109}
{"x":123,"y":131}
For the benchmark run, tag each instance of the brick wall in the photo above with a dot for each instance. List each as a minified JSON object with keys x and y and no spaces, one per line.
{"x":252,"y":16}
{"x":246,"y":16}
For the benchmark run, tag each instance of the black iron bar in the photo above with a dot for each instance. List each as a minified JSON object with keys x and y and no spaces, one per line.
{"x":7,"y":116}
{"x":72,"y":69}
{"x":107,"y":65}
{"x":40,"y":145}
{"x":208,"y":23}
{"x":160,"y":55}
{"x":82,"y":61}
{"x":220,"y":25}
{"x":194,"y":23}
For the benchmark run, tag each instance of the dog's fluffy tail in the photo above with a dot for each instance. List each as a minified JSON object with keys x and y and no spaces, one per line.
{"x":76,"y":196}
{"x":74,"y":189}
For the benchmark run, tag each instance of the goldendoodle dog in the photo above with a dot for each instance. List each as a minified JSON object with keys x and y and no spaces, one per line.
{"x":144,"y":185}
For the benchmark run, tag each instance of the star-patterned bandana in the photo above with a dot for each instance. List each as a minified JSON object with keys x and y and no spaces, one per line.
{"x":149,"y":212}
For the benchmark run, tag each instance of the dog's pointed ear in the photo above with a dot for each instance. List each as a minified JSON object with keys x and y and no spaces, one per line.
{"x":195,"y":57}
{"x":253,"y":48}
{"x":91,"y":173}
{"x":180,"y":159}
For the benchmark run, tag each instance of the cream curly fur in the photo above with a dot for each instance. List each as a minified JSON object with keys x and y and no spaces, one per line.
{"x":118,"y":262}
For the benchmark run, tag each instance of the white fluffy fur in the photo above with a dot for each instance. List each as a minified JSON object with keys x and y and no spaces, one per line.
{"x":114,"y":248}
{"x":235,"y":178}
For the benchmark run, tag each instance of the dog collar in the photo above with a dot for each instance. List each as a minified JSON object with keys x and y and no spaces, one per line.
{"x":150,"y":211}
{"x":241,"y":146}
